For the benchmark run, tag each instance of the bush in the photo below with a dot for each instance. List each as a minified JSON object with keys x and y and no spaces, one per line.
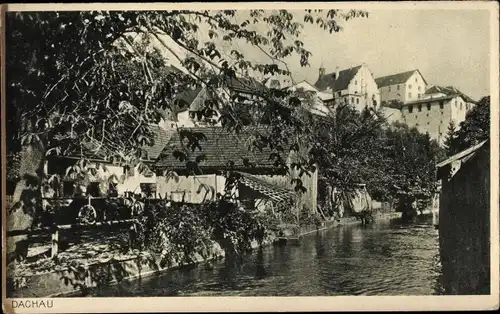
{"x":307,"y":218}
{"x":179,"y":231}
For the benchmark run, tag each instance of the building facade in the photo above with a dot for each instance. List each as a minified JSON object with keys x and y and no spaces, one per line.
{"x":223,"y":152}
{"x":434,"y":111}
{"x":401,"y":87}
{"x":355,"y":86}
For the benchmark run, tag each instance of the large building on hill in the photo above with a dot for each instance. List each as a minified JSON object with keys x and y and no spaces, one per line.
{"x":401,"y":87}
{"x":435,"y":110}
{"x":353,"y":86}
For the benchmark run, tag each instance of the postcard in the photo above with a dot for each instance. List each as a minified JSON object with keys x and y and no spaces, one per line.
{"x":185,"y":157}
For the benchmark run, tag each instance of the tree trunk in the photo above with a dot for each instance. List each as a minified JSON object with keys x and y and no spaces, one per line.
{"x":26,"y":199}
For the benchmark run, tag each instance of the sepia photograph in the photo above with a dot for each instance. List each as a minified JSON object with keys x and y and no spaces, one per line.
{"x":249,"y":150}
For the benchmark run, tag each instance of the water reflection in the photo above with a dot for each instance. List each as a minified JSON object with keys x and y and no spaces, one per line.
{"x":385,"y":258}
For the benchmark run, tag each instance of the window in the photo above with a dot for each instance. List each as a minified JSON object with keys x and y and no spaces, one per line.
{"x":355,"y":82}
{"x":409,"y":95}
{"x":357,"y":100}
{"x":419,"y":88}
{"x":68,"y":188}
{"x":441,"y":105}
{"x":149,"y":189}
{"x":410,"y":108}
{"x":460,"y":105}
{"x":416,"y":80}
{"x":388,"y":88}
{"x":429,"y":106}
{"x":455,"y":103}
{"x":397,"y":87}
{"x":418,"y":96}
{"x":94,"y":189}
{"x":420,"y":108}
{"x":352,"y":100}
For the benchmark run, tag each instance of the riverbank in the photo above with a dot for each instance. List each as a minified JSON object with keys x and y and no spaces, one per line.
{"x":389,"y":257}
{"x":106,"y":264}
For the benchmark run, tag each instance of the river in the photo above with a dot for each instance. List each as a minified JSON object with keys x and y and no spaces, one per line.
{"x":384,"y":258}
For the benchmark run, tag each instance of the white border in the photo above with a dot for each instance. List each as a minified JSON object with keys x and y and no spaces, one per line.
{"x":337,"y":303}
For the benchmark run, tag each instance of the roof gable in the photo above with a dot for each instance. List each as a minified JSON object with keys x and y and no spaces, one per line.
{"x":340,"y":83}
{"x":398,"y":78}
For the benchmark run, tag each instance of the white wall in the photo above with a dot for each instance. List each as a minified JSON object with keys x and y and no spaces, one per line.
{"x":414,"y":88}
{"x":405,"y":92}
{"x":362,"y":91}
{"x":188,"y":186}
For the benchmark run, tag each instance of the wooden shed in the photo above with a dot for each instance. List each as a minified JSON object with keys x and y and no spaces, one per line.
{"x":464,"y":221}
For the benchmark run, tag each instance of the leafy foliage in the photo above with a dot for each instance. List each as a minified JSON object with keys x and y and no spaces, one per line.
{"x":473,"y":130}
{"x":92,"y":82}
{"x":180,"y":231}
{"x":451,"y":139}
{"x":353,"y":147}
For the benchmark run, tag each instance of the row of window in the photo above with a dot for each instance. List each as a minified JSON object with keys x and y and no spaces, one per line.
{"x":419,"y":107}
{"x":441,"y":106}
{"x":397,"y":88}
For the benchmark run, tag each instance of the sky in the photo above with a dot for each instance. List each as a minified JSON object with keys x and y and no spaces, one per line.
{"x":449,"y":47}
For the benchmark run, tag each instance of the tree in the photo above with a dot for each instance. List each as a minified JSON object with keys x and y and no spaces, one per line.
{"x":450,"y":142}
{"x":70,"y":80}
{"x":476,"y":126}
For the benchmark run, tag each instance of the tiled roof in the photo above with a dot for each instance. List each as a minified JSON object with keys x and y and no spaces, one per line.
{"x":449,"y":91}
{"x":340,"y":83}
{"x":220,"y":148}
{"x":161,"y":137}
{"x":272,"y":191}
{"x":398,"y":78}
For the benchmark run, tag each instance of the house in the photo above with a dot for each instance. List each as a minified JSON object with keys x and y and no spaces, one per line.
{"x":401,"y":87}
{"x":106,"y":174}
{"x":320,"y":103}
{"x":435,"y":110}
{"x":195,"y":175}
{"x":354,"y":86}
{"x":191,"y":110}
{"x":464,"y":220}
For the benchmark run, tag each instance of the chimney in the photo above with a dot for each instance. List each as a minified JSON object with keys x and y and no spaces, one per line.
{"x":321,"y":72}
{"x":337,"y":70}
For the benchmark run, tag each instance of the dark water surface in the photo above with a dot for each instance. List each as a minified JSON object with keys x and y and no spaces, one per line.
{"x":385,"y":258}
